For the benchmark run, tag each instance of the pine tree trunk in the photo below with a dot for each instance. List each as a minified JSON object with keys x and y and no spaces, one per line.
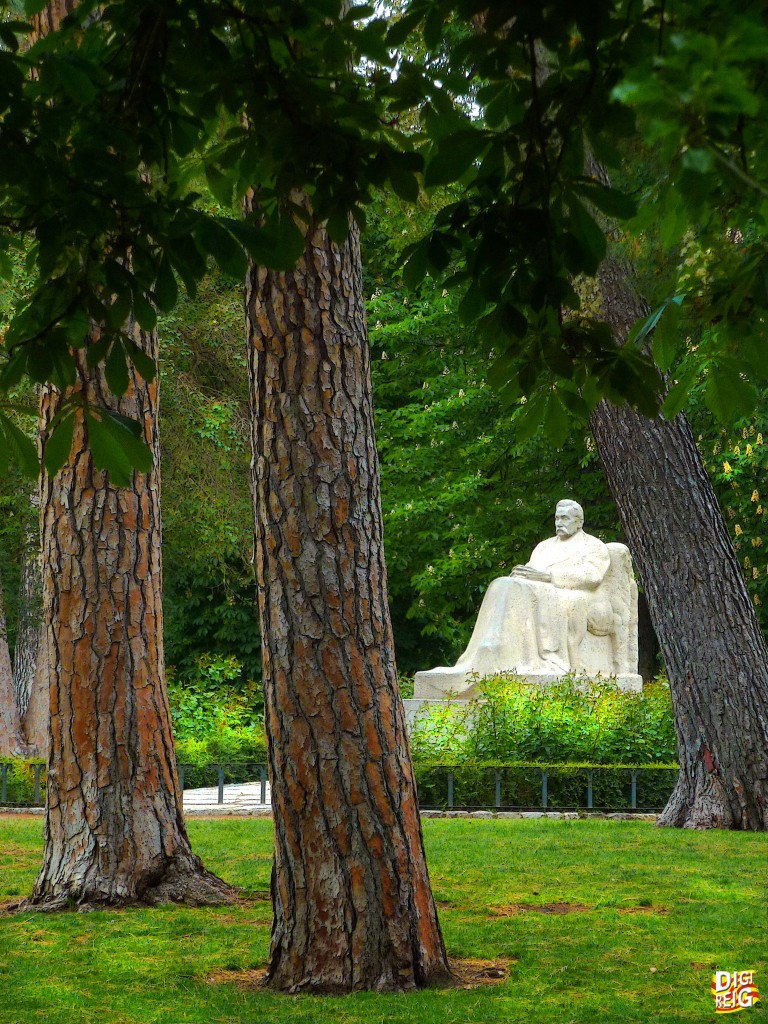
{"x":352,"y":903}
{"x":30,"y":673}
{"x":11,"y":742}
{"x":26,"y":648}
{"x":713,"y":648}
{"x":114,"y":828}
{"x":36,"y":717}
{"x":114,"y":831}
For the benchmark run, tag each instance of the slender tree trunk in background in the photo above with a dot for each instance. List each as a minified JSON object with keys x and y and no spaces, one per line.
{"x":35,"y":721}
{"x":114,"y":830}
{"x":11,"y":742}
{"x":27,"y":644}
{"x":712,"y":644}
{"x":28,"y":652}
{"x":352,"y":903}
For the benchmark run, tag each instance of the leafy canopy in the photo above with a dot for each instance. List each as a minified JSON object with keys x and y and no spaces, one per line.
{"x":106,"y":123}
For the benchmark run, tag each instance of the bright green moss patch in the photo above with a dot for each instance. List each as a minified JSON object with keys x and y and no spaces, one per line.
{"x":592,"y":920}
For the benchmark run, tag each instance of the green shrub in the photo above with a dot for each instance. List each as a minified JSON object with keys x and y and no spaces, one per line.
{"x":565,"y":723}
{"x":210,"y":704}
{"x":20,"y":782}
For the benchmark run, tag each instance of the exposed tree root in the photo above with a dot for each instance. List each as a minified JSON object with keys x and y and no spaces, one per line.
{"x":699,"y":802}
{"x":183,"y":883}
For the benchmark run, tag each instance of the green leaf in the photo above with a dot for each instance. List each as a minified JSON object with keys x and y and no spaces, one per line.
{"x":116,"y":371}
{"x":727,"y":393}
{"x":472,"y":304}
{"x":33,"y":7}
{"x":666,"y":337}
{"x":8,"y":38}
{"x":76,"y":83}
{"x":530,"y":418}
{"x":6,"y":265}
{"x":338,"y":226}
{"x":58,"y":444}
{"x":588,"y":234}
{"x":701,"y":161}
{"x":221,"y":185}
{"x":434,"y":28}
{"x":98,"y":349}
{"x":144,"y":312}
{"x":188,"y":262}
{"x":556,"y":421}
{"x":608,"y":200}
{"x":144,"y":363}
{"x":116,"y":447}
{"x":14,"y":368}
{"x":454,"y":156}
{"x":678,"y":393}
{"x":21,"y":449}
{"x":166,"y":291}
{"x":401,"y":29}
{"x":226,"y":250}
{"x":77,"y":328}
{"x":415,"y":269}
{"x":404,"y":182}
{"x":280,"y":244}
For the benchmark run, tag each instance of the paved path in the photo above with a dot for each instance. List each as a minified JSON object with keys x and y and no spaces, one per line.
{"x":244,"y":799}
{"x":239,"y":798}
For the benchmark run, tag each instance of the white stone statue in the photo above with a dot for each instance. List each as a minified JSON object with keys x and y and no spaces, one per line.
{"x":572,"y":608}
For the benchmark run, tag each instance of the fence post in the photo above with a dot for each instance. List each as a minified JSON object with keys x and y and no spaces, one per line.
{"x":498,"y":789}
{"x":450,"y":789}
{"x":589,"y":789}
{"x":4,"y":775}
{"x":181,"y":777}
{"x":38,"y":768}
{"x":634,"y":789}
{"x":263,"y":777}
{"x":221,"y":784}
{"x":544,"y":788}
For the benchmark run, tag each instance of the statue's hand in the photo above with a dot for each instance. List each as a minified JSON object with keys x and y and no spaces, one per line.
{"x":526,"y":572}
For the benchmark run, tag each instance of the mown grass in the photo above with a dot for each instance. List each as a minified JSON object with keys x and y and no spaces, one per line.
{"x":664,"y":908}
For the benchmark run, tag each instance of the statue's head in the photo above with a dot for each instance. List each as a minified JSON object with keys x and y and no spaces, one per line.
{"x":569,"y":518}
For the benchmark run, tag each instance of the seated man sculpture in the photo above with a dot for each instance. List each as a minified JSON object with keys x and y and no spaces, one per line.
{"x":571,"y":608}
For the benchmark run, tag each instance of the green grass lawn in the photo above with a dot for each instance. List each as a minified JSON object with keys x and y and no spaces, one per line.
{"x":652,"y":913}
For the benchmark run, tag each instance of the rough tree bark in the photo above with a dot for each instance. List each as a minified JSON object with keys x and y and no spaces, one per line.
{"x":29,"y":672}
{"x":11,"y":742}
{"x":352,"y":903}
{"x":114,"y":830}
{"x":26,"y":648}
{"x":713,"y":648}
{"x":35,"y":720}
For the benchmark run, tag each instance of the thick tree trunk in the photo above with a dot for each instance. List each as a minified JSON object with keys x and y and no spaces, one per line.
{"x":713,"y":648}
{"x":114,"y":830}
{"x":11,"y":742}
{"x":352,"y":903}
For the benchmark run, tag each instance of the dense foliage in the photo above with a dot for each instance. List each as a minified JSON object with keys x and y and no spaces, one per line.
{"x":577,"y":728}
{"x":564,"y":723}
{"x":108,"y":123}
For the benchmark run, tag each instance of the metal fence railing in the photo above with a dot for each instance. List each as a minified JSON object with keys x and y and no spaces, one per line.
{"x":498,"y":787}
{"x":522,"y":786}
